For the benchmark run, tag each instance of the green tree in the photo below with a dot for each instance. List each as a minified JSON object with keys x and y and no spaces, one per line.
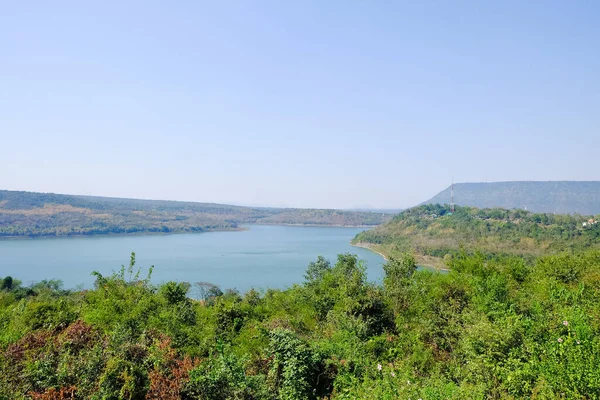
{"x":6,"y":283}
{"x":398,"y":272}
{"x":292,"y":372}
{"x":174,"y":292}
{"x":316,"y":270}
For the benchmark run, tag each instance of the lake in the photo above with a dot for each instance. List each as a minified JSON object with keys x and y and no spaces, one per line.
{"x":263,"y":256}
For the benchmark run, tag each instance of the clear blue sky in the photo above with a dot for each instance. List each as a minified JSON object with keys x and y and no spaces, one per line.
{"x":310,"y":104}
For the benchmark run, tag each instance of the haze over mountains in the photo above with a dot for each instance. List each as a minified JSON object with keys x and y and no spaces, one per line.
{"x":562,"y":197}
{"x":47,"y":214}
{"x":28,"y":214}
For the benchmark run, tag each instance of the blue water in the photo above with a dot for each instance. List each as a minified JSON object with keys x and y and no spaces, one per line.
{"x":260,"y":257}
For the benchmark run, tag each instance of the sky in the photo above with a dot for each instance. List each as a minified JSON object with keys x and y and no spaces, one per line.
{"x":338,"y":104}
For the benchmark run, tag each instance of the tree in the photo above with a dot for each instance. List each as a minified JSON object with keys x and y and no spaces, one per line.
{"x":293,"y":365}
{"x":53,"y":285}
{"x":206,"y":291}
{"x":6,"y":283}
{"x":398,"y":272}
{"x":175,"y":292}
{"x":316,"y":270}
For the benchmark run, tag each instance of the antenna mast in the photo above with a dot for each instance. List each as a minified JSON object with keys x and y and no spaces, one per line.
{"x":452,"y":197}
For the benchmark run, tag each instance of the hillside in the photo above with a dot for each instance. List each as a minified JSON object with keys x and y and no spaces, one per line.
{"x":27,"y":214}
{"x":563,"y":197}
{"x":432,"y":232}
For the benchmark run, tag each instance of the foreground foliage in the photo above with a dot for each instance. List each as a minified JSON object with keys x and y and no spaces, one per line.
{"x":488,"y":329}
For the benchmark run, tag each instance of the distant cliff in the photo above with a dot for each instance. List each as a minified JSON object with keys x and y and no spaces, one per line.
{"x":563,"y":197}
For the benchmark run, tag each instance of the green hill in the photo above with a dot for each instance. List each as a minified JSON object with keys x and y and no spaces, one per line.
{"x":27,"y":214}
{"x":564,"y":197}
{"x":432,"y":232}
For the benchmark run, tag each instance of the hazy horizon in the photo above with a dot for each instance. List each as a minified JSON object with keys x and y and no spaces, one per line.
{"x":322,"y":105}
{"x":357,"y":208}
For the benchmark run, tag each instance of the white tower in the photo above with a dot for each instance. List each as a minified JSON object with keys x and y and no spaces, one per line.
{"x":452,"y":197}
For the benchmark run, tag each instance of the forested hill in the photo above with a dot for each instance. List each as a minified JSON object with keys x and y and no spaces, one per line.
{"x":28,"y":214}
{"x":564,"y":197}
{"x":432,"y":232}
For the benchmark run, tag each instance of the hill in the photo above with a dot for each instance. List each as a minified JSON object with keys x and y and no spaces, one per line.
{"x":432,"y":232}
{"x":28,"y":214}
{"x":563,"y":197}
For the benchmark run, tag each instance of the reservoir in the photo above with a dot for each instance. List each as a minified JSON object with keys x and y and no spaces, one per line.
{"x":260,"y":257}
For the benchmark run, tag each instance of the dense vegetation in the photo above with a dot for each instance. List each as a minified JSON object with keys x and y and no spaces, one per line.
{"x":432,"y":232}
{"x":25,"y":214}
{"x":566,"y":197}
{"x":487,"y":329}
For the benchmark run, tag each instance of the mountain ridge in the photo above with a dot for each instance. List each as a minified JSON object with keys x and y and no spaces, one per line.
{"x":31,"y":214}
{"x":561,"y":197}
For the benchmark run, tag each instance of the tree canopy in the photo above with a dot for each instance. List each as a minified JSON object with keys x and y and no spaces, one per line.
{"x":490,"y":328}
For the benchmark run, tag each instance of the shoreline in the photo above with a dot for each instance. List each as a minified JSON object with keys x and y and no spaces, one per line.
{"x":239,"y":228}
{"x":366,"y":246}
{"x":385,"y":258}
{"x":315,"y":225}
{"x":103,"y":235}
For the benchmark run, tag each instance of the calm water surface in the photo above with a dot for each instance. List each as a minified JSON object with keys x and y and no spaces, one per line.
{"x":260,"y":257}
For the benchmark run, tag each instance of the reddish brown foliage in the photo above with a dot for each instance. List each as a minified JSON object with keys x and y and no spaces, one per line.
{"x":167,"y":382}
{"x":45,"y":344}
{"x":32,"y":341}
{"x":167,"y":385}
{"x":259,"y":366}
{"x":77,"y":336}
{"x":54,"y":394}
